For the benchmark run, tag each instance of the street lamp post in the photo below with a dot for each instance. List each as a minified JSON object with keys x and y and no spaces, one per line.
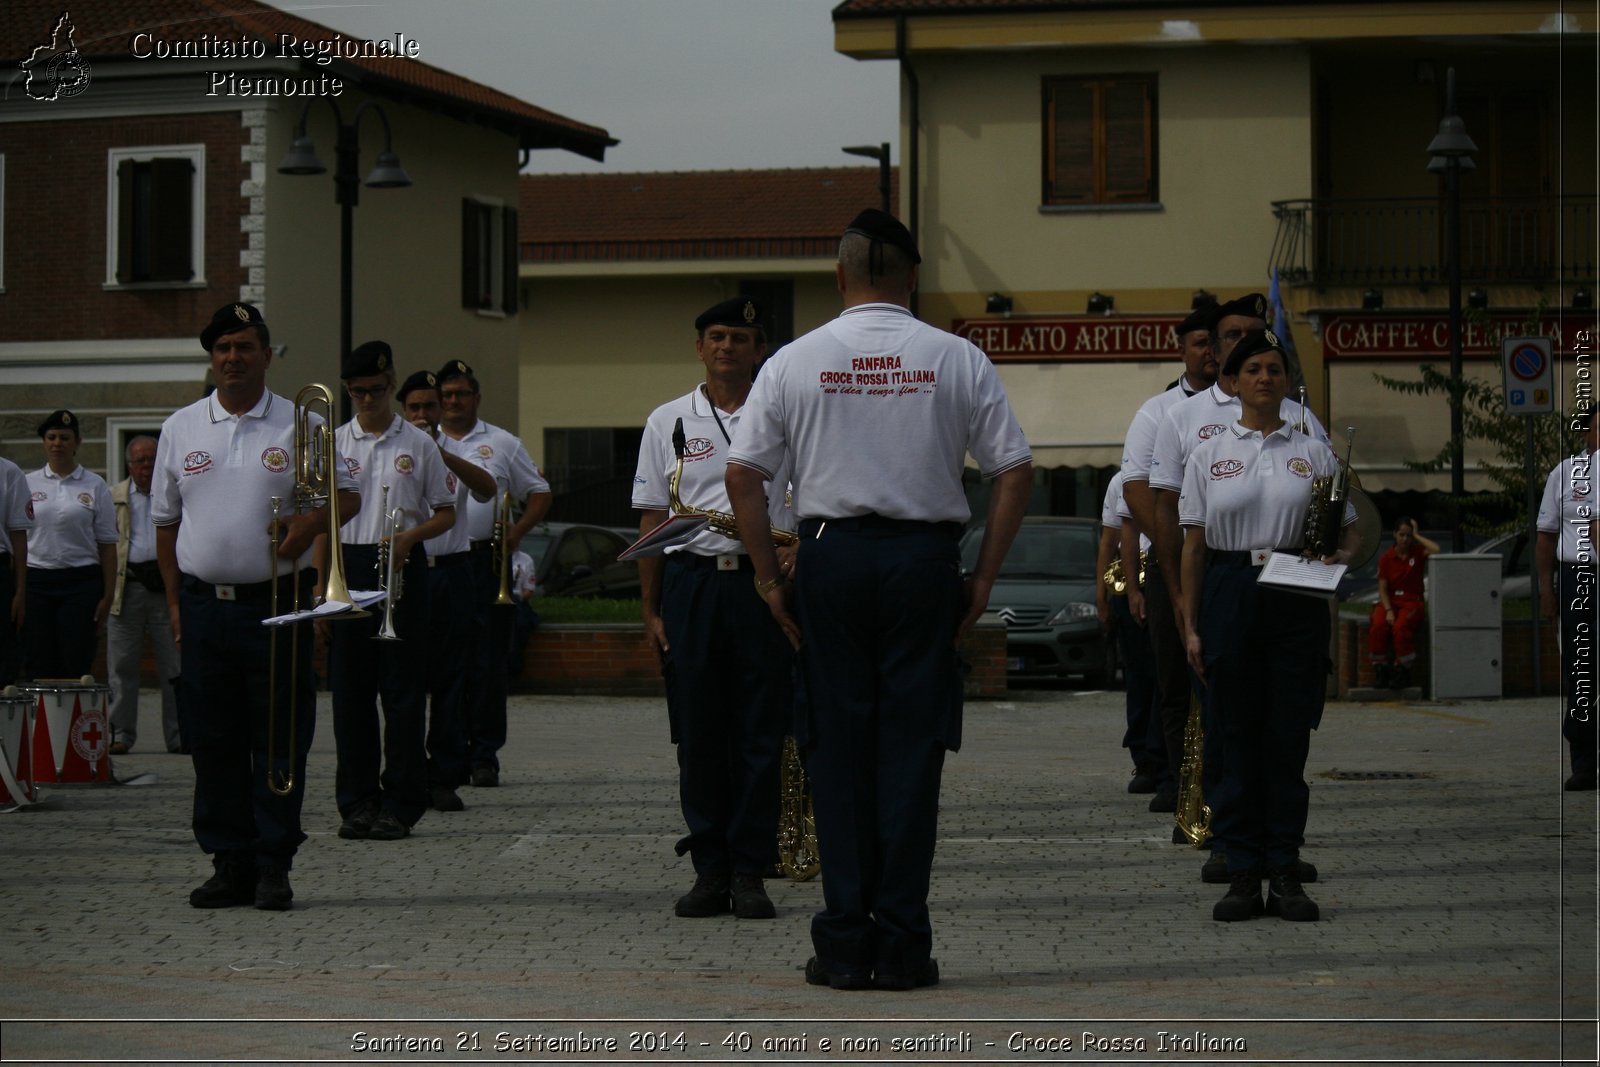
{"x":881,"y":154}
{"x":1451,"y":153}
{"x":386,"y":174}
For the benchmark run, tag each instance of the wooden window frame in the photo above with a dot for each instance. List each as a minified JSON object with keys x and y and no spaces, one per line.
{"x":489,"y":256}
{"x":130,"y":260}
{"x":1099,"y":195}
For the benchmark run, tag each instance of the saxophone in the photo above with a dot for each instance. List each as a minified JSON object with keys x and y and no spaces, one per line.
{"x":1116,"y":581}
{"x":718,"y":522}
{"x":1194,"y":814}
{"x":797,"y":824}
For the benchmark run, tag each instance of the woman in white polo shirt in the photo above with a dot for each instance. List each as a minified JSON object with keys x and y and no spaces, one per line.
{"x":1261,"y":653}
{"x":72,"y":556}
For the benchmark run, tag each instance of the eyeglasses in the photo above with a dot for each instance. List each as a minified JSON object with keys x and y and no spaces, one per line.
{"x":366,"y":392}
{"x":457,"y":394}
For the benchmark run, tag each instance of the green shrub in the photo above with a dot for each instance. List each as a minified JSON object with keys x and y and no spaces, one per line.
{"x":554,"y":609}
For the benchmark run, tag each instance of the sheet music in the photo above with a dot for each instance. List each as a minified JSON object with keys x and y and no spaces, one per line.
{"x":1296,"y":574}
{"x":363,"y":599}
{"x":675,"y":531}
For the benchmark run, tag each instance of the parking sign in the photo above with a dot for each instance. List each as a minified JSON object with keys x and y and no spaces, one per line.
{"x":1529,"y":375}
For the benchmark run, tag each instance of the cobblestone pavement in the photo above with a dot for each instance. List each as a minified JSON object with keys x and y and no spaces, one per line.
{"x":1457,"y":891}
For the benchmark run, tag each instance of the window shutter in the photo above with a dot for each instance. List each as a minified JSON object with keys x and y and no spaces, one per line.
{"x":171,"y":223}
{"x":125,"y":212}
{"x":1129,"y":170}
{"x":1071,"y":173}
{"x":471,"y":287}
{"x":509,"y":286}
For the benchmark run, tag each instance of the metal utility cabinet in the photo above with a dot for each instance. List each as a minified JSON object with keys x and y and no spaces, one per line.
{"x":1464,"y":615}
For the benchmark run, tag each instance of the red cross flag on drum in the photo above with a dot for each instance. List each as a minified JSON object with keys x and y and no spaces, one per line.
{"x":71,"y":731}
{"x":16,"y":743}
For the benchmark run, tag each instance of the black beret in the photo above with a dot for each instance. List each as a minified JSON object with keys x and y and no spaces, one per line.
{"x":1251,"y":306}
{"x":1252,"y":343}
{"x":880,"y":227}
{"x":365,"y":360}
{"x":454,"y":369}
{"x":1201,"y":318}
{"x":230,"y":318}
{"x":60,"y":420}
{"x":422,"y":379}
{"x":740,"y":311}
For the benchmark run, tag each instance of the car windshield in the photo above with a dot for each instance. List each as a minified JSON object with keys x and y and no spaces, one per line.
{"x":1041,"y":551}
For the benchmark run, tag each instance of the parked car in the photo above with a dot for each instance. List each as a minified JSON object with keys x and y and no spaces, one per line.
{"x":1045,"y":595}
{"x":573,"y":559}
{"x":1360,"y":587}
{"x":1516,"y":563}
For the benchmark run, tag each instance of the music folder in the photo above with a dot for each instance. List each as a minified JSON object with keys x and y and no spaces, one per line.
{"x":1296,"y":574}
{"x":670,"y":534}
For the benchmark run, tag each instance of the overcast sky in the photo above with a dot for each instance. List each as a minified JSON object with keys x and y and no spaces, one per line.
{"x":683,"y":84}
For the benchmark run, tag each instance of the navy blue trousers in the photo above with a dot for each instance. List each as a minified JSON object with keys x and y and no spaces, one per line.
{"x":451,"y":633}
{"x":1169,"y":662}
{"x":393,"y":768}
{"x":878,"y":604}
{"x":487,"y":682}
{"x":10,"y":643}
{"x":222,"y":707}
{"x":730,"y":701}
{"x":1144,"y":738}
{"x":1266,"y":659}
{"x":1579,"y":596}
{"x":59,"y":629}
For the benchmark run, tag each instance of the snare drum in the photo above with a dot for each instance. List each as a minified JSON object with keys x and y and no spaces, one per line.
{"x":16,"y":742}
{"x":71,"y":731}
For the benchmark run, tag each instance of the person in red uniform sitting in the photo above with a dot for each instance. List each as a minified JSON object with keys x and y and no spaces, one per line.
{"x":1400,"y":610}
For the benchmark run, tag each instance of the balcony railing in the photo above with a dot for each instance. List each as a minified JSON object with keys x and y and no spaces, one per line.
{"x":1401,"y":240}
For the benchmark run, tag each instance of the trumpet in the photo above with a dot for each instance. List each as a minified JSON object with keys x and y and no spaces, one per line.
{"x":314,"y":485}
{"x":391,"y":579}
{"x":502,"y":548}
{"x":719,"y":522}
{"x":1325,"y":517}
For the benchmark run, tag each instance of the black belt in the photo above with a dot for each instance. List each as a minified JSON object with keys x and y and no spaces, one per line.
{"x":148,"y":574}
{"x":813,"y":527}
{"x":482,"y":546}
{"x":1245,"y":557}
{"x":249,"y":592}
{"x":448,"y":558}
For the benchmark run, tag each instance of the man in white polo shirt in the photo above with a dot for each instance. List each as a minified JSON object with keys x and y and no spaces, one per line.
{"x":877,"y":413}
{"x":221,"y":463}
{"x":502,"y":455}
{"x":726,"y":663}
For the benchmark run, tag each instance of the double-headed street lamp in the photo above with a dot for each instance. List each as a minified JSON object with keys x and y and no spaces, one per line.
{"x":881,"y":154}
{"x":1451,"y":151}
{"x":387,"y":174}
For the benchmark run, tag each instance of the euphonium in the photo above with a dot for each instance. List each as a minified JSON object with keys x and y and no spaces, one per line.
{"x":1325,"y":517}
{"x":502,"y":548}
{"x":718,"y":522}
{"x":1116,"y":581}
{"x":391,"y":579}
{"x":1194,"y":814}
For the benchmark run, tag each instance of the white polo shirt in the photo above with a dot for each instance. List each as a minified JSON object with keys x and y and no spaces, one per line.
{"x":705,"y":460}
{"x":407,"y":461}
{"x":217,"y":473}
{"x":457,"y":538}
{"x":72,"y":518}
{"x":503,"y":456}
{"x":16,"y":504}
{"x":1566,"y":509}
{"x":1115,"y":508}
{"x":1251,"y":491}
{"x":876,"y":413}
{"x":1139,"y":444}
{"x":1199,"y":418}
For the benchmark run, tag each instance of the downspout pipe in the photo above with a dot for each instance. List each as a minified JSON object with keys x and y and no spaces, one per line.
{"x":912,"y":154}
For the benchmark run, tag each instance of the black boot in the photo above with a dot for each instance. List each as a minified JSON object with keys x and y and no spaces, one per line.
{"x":1287,"y":900}
{"x":710,"y":896}
{"x":232,"y":886}
{"x":750,"y":900}
{"x":1243,"y":900}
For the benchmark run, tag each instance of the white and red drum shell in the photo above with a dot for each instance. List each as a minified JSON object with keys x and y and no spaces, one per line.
{"x":16,"y":743}
{"x":71,"y":732}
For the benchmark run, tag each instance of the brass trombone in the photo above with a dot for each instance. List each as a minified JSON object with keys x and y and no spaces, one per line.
{"x":502,"y":548}
{"x":315,"y":484}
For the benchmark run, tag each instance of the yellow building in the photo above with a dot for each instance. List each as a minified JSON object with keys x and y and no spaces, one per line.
{"x":1057,"y":151}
